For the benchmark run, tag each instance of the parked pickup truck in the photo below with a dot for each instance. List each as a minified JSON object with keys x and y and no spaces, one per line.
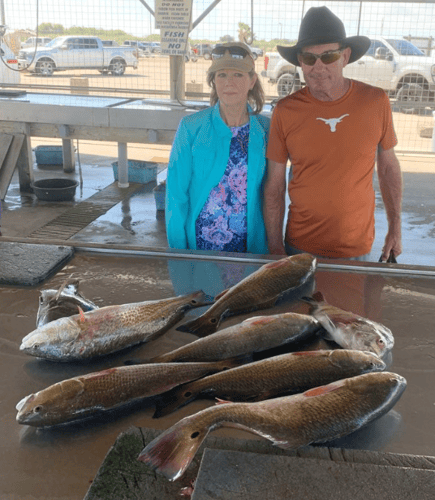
{"x":77,"y":52}
{"x":140,"y":49}
{"x":394,"y":64}
{"x":287,"y":76}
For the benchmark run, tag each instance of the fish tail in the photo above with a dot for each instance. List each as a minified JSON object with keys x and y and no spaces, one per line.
{"x":172,"y":452}
{"x":181,"y":395}
{"x":314,"y":299}
{"x":201,"y":326}
{"x":174,"y":399}
{"x":199,"y":299}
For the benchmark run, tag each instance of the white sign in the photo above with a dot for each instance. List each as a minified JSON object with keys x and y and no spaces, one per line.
{"x":173,"y":42}
{"x":173,"y":14}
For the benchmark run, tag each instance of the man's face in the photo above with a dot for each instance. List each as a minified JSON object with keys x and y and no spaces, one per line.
{"x":322,"y":78}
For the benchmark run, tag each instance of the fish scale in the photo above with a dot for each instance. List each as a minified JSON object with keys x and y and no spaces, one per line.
{"x":252,"y":335}
{"x":261,"y":289}
{"x":108,"y":329}
{"x":284,"y":374}
{"x":86,"y":395}
{"x":317,"y":415}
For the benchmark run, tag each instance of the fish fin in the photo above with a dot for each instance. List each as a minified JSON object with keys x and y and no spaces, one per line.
{"x":174,"y":399}
{"x":222,"y":401}
{"x":69,"y":282}
{"x":82,"y":314}
{"x":220,"y":295}
{"x":171,"y":453}
{"x":201,"y":326}
{"x":327,"y":324}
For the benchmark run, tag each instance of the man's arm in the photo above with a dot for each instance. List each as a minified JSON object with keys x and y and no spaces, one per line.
{"x":390,"y":183}
{"x":274,"y":206}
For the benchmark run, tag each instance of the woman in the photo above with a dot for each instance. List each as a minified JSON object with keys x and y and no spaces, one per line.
{"x":217,"y":163}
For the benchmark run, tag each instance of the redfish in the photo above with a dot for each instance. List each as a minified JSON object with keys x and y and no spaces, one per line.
{"x":253,"y":335}
{"x":351,"y":331}
{"x":55,"y":304}
{"x":260,"y":290}
{"x":284,"y":374}
{"x":317,"y":415}
{"x":108,"y":329}
{"x":87,"y":395}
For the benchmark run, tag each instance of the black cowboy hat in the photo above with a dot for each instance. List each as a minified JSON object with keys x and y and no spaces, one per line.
{"x":320,"y":26}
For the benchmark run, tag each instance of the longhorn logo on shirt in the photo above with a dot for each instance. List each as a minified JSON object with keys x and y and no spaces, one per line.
{"x":332,"y":122}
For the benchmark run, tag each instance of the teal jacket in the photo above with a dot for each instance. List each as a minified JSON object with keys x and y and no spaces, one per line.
{"x":198,"y":160}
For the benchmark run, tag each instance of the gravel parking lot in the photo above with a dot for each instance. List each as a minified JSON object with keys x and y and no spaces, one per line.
{"x":152,"y":80}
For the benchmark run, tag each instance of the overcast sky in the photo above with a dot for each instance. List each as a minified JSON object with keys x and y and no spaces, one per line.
{"x":271,"y":18}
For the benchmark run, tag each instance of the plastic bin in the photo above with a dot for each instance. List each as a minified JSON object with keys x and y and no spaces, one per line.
{"x":159,"y":196}
{"x":138,"y":171}
{"x":49,"y":155}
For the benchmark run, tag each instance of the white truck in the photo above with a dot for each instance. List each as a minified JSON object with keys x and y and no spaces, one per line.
{"x":77,"y":52}
{"x":393,"y":64}
{"x":9,"y":74}
{"x":33,"y":41}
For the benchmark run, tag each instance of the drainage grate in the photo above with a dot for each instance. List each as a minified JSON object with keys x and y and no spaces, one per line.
{"x":79,"y":216}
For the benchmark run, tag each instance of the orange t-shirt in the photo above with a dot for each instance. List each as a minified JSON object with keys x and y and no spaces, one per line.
{"x":332,"y":148}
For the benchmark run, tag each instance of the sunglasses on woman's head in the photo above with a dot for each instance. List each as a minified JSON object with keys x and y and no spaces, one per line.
{"x":328,"y":57}
{"x":235,"y":52}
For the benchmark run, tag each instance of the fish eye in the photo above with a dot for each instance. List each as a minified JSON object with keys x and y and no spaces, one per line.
{"x":380,"y":342}
{"x":187,"y":394}
{"x":35,"y":347}
{"x":193,"y":301}
{"x":37,"y":409}
{"x":41,"y":300}
{"x":213,"y":320}
{"x":195,"y":435}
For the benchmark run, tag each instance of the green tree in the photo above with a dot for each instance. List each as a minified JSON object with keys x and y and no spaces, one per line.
{"x":245,"y":34}
{"x":226,"y":39}
{"x":57,"y":29}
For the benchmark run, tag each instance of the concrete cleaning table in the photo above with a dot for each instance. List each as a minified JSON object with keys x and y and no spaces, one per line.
{"x":61,"y":463}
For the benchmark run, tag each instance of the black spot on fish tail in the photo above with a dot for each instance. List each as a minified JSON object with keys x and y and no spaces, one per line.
{"x":173,"y":400}
{"x":165,"y":455}
{"x":201,"y":326}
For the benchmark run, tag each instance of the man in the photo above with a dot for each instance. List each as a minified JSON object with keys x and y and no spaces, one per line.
{"x":331,"y":131}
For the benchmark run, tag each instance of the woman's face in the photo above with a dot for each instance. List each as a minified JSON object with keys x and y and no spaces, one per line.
{"x":232,"y":86}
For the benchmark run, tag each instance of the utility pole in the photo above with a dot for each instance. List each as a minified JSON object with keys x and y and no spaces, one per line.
{"x":2,"y":13}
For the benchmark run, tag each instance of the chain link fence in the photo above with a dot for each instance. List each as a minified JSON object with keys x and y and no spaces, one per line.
{"x":132,"y":65}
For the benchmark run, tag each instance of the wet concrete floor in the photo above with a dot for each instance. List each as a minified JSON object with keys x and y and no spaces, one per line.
{"x":60,"y":463}
{"x":135,"y":222}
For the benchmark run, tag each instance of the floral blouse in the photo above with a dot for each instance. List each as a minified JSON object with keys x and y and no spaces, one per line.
{"x":222,"y":223}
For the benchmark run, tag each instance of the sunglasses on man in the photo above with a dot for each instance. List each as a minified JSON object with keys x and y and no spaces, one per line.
{"x":328,"y":57}
{"x":235,"y":52}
